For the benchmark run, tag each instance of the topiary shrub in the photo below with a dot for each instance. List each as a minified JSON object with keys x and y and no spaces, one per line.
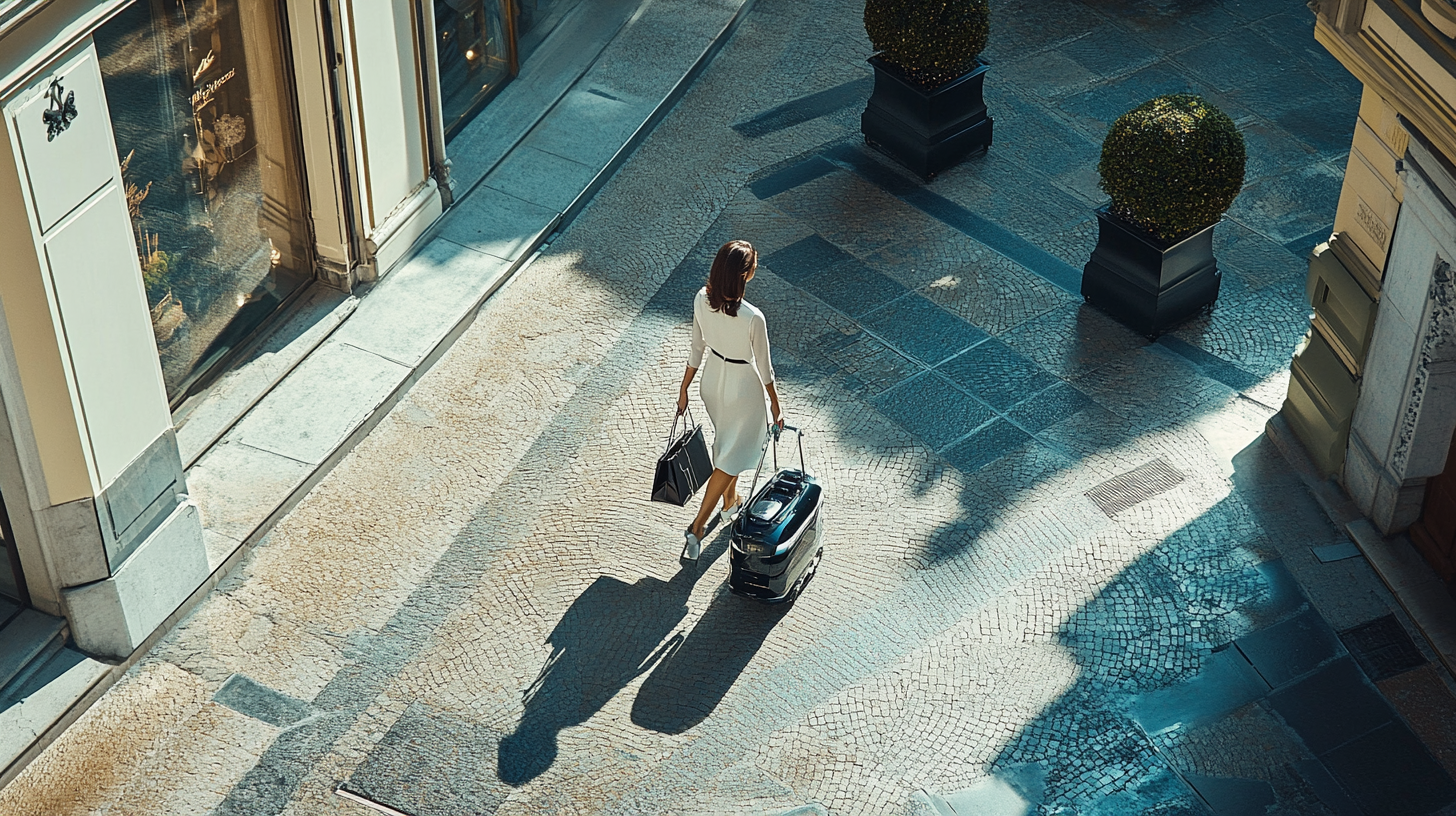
{"x":932,"y":41}
{"x":1172,"y":165}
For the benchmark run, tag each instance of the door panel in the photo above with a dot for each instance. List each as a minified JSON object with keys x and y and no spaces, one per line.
{"x":1434,"y":534}
{"x":12,"y":582}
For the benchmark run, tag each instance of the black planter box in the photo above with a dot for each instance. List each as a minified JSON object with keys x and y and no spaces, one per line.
{"x":1147,"y":283}
{"x":926,"y":130}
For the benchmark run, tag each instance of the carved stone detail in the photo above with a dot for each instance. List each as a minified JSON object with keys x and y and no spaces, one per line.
{"x":1440,"y":329}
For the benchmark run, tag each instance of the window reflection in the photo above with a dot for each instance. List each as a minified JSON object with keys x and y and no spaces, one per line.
{"x":202,"y":116}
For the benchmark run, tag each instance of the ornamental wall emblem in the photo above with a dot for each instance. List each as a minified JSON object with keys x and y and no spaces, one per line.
{"x":59,"y":115}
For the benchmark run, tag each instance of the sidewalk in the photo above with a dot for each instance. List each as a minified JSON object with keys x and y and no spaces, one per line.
{"x":1066,"y":569}
{"x":517,"y":182}
{"x":273,"y":428}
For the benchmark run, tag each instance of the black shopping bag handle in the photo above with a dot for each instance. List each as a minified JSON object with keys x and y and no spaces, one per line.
{"x":672,"y":433}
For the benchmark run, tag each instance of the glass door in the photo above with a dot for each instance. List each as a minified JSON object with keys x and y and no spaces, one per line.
{"x":475,"y":57}
{"x":535,"y":20}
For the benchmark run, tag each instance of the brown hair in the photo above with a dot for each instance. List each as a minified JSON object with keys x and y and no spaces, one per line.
{"x":725,"y":280}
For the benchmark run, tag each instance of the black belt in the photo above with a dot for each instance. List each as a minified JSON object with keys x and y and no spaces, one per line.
{"x":727,"y":359}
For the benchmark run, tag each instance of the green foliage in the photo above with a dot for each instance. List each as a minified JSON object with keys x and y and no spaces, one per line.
{"x":932,"y":41}
{"x":1172,"y":165}
{"x":154,"y":273}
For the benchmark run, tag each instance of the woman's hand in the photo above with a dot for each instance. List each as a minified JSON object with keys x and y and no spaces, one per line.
{"x":682,"y":390}
{"x":773,"y":406}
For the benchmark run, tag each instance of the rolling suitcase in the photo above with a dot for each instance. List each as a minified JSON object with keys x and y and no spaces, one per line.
{"x":774,"y":546}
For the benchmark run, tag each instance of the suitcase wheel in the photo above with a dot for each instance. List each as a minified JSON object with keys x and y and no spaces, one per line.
{"x":806,"y":577}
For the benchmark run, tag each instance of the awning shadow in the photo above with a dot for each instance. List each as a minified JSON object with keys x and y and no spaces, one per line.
{"x":1171,"y":698}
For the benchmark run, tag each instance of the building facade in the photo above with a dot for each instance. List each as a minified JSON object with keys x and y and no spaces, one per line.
{"x":1373,"y":393}
{"x":174,"y":174}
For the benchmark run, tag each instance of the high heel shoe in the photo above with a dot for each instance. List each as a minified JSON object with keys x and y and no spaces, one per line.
{"x":694,"y":546}
{"x":730,"y":515}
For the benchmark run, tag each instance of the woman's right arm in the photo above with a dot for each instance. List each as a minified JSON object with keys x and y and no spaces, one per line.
{"x":682,"y":393}
{"x":695,"y":361}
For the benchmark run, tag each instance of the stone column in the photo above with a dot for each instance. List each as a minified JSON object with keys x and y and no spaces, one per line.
{"x":91,"y":472}
{"x":1406,"y":411}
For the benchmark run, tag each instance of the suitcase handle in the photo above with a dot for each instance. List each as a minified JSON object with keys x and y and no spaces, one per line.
{"x":775,"y":430}
{"x":773,"y":436}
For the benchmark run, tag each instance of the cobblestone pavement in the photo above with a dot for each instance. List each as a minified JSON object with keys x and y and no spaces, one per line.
{"x":1063,"y":565}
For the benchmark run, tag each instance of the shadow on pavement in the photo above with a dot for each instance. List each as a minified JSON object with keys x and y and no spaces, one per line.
{"x":1208,"y":683}
{"x":611,"y":634}
{"x":695,"y":674}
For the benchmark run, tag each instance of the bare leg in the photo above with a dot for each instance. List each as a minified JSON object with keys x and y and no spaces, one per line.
{"x":712,"y":492}
{"x":730,"y":494}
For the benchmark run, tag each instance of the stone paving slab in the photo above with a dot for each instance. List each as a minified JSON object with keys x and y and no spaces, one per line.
{"x":29,"y":710}
{"x":924,"y":331}
{"x":1332,"y":707}
{"x":611,"y":119}
{"x":541,"y":178}
{"x":1390,"y":771}
{"x":426,"y":745}
{"x":241,"y":388}
{"x":315,"y":408}
{"x":496,"y":223}
{"x":406,"y":315}
{"x":1234,"y":797}
{"x":235,"y":486}
{"x":247,"y":696}
{"x":1291,"y":648}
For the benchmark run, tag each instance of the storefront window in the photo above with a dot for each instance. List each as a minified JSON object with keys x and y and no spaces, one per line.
{"x":200,"y":106}
{"x":474,"y":57}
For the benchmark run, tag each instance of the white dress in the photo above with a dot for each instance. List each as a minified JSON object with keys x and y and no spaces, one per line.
{"x":733,"y":392}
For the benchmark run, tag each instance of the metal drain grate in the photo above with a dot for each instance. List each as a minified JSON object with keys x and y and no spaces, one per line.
{"x":1382,"y":648}
{"x":1135,"y":486}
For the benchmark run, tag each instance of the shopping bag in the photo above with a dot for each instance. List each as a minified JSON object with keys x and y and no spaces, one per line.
{"x":684,"y":465}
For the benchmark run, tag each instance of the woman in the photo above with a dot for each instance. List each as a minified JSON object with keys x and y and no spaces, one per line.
{"x":738,"y":375}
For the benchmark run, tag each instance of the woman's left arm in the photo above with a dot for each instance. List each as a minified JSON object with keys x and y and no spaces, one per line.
{"x":682,"y":393}
{"x":773,"y":404}
{"x":758,"y":339}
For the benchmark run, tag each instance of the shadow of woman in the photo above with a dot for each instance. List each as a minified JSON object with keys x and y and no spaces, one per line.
{"x":613,"y":632}
{"x":693,"y":676}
